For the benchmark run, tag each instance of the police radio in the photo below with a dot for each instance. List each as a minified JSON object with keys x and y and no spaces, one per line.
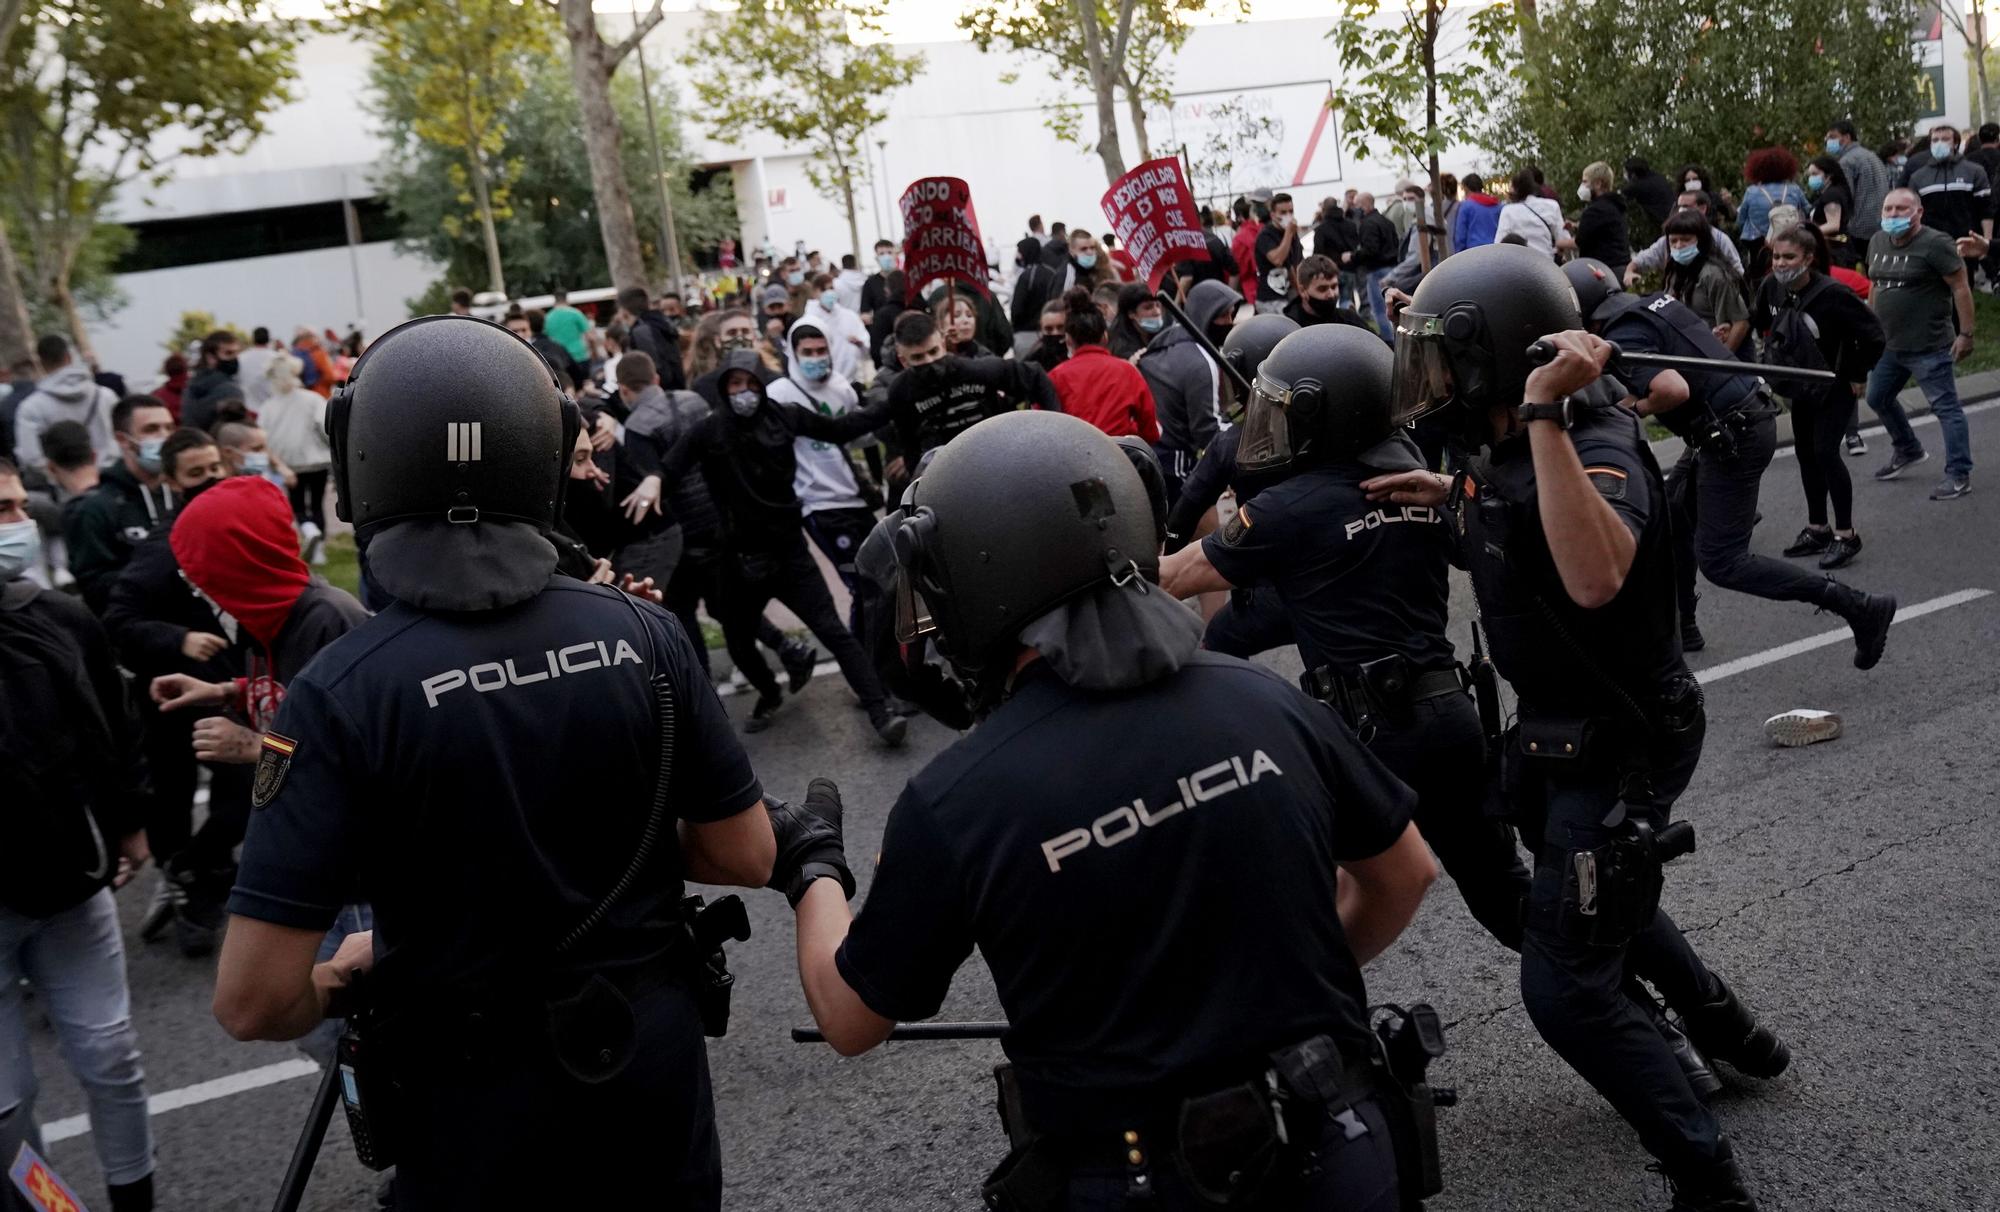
{"x":367,"y":1086}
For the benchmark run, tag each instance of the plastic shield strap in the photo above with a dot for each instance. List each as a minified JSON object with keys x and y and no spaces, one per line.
{"x":1266,"y":441}
{"x":1422,"y":382}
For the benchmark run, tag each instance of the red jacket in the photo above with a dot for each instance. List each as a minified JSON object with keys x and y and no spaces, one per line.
{"x":1244,"y":249}
{"x":1107,"y":391}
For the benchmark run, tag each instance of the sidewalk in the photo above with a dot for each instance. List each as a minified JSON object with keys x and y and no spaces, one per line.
{"x":1971,"y":389}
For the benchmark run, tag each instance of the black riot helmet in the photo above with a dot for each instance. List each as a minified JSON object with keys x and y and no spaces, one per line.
{"x":1014,"y":517}
{"x":1464,"y":337}
{"x":1322,"y":395}
{"x":450,"y":443}
{"x":1251,"y":341}
{"x":1595,"y":286}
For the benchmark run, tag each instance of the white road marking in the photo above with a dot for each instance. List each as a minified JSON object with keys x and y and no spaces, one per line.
{"x":200,"y":1092}
{"x":1757,"y":660}
{"x":1877,"y":431}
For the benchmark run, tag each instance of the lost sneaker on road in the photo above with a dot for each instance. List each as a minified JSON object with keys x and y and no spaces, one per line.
{"x":1803,"y":726}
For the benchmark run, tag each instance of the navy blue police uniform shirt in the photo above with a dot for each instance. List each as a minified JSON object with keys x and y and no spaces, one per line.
{"x":483,"y":779}
{"x":1634,"y":637}
{"x":1360,"y":579}
{"x":1157,"y":915}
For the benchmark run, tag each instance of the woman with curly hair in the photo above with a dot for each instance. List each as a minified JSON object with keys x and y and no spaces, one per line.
{"x":1771,"y":174}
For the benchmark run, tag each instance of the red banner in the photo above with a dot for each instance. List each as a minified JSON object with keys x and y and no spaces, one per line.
{"x":941,"y":235}
{"x":1152,"y":214}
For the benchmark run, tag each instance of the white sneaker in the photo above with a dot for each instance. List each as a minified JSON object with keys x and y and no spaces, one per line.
{"x":1802,"y":726}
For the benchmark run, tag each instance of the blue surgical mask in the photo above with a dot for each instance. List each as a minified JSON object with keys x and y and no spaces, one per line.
{"x":1815,"y":182}
{"x":1152,"y":323}
{"x":1086,"y":260}
{"x":148,"y":455}
{"x":1685,"y":254}
{"x":1941,"y":149}
{"x":796,"y":277}
{"x":255,"y":463}
{"x":744,"y":403}
{"x":886,"y":260}
{"x":815,"y":368}
{"x":1898,"y":226}
{"x":20,"y":547}
{"x":829,"y":299}
{"x":1898,"y":161}
{"x":1834,"y":147}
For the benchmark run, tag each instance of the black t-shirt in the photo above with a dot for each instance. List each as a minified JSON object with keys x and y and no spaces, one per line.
{"x":1216,"y":267}
{"x":1634,"y":637}
{"x":934,"y":403}
{"x":1274,"y":282}
{"x":467,"y":770}
{"x":1360,"y":580}
{"x":1148,"y":873}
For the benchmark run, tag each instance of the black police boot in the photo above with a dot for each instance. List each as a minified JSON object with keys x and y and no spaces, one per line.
{"x":761,"y":712}
{"x":1715,"y":1186}
{"x":1867,"y":614}
{"x":1724,"y":1028}
{"x":798,"y":658}
{"x":1693,"y":1065}
{"x":1691,"y":637}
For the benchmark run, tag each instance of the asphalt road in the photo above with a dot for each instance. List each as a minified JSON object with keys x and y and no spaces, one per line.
{"x":1846,"y":889}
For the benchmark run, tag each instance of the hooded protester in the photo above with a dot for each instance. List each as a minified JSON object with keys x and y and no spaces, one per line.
{"x":1097,"y":385}
{"x":834,"y":500}
{"x":654,"y":335}
{"x":214,"y":385}
{"x":1139,"y":319}
{"x":130,"y":501}
{"x":845,"y":335}
{"x":293,"y":419}
{"x":848,"y":282}
{"x":66,"y":392}
{"x":1187,"y":382}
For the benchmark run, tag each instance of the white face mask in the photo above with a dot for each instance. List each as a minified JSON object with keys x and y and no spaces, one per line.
{"x":1692,"y":187}
{"x":20,"y":548}
{"x":1583,"y":193}
{"x":743,"y":403}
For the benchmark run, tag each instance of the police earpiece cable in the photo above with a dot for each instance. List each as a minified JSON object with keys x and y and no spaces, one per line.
{"x":1541,"y":353}
{"x":1201,"y":338}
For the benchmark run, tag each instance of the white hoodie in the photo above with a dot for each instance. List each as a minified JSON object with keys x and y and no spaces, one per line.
{"x":848,"y":283}
{"x":844,"y":334}
{"x":824,"y":479}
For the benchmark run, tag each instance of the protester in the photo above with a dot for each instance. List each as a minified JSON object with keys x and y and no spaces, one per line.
{"x":294,"y":424}
{"x":214,"y":383}
{"x":882,"y":296}
{"x":1602,"y":229}
{"x":1318,"y":301}
{"x":532,"y":326}
{"x":1243,"y":248}
{"x":566,"y":326}
{"x":1537,"y":220}
{"x":318,"y":373}
{"x":1921,"y":288}
{"x":1654,"y":255}
{"x":1809,"y":320}
{"x":1832,"y":208}
{"x":1096,"y":383}
{"x":1140,"y":318}
{"x":132,"y":498}
{"x":1478,"y":219}
{"x":1051,"y":347}
{"x":939,"y":395}
{"x":841,"y":325}
{"x":1277,"y":254}
{"x":71,"y":464}
{"x":75,"y":788}
{"x":1770,"y":176}
{"x":832,"y":497}
{"x":1186,"y":381}
{"x":251,"y":366}
{"x":1374,"y":258}
{"x":1694,"y":179}
{"x":1956,"y":193}
{"x":655,"y":336}
{"x":1123,"y":267}
{"x":1653,"y":193}
{"x":1696,"y":275}
{"x":958,"y":319}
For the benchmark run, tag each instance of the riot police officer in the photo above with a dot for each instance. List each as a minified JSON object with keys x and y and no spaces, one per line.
{"x":1729,"y":423}
{"x":1253,"y":620}
{"x":1130,"y":810}
{"x":496,"y":762}
{"x":1562,"y":525}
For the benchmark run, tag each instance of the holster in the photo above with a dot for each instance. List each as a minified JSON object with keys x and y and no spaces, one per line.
{"x":1610,"y":892}
{"x":1406,"y":1042}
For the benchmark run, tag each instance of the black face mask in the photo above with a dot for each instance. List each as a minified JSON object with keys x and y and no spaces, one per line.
{"x":227,"y":366}
{"x":189,"y":494}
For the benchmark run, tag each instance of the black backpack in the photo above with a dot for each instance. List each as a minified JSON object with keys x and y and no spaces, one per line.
{"x":1794,"y":336}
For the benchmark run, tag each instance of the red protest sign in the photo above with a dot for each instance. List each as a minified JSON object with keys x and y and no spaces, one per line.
{"x":941,"y":235}
{"x":1152,"y":213}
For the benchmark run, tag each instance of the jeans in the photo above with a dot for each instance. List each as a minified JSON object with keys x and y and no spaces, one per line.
{"x":76,"y":962}
{"x":749,"y":580}
{"x":1380,"y":305}
{"x":1713,"y":494}
{"x":838,"y":534}
{"x":1353,"y":289}
{"x":1936,"y":377}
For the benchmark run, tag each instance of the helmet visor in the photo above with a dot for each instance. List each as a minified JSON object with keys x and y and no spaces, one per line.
{"x":1422,"y":382}
{"x":1266,"y":441}
{"x":914,"y":620}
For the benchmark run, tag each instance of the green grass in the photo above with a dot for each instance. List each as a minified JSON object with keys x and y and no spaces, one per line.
{"x":1985,"y":353}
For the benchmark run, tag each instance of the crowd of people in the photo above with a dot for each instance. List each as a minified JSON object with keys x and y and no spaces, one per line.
{"x":158,"y":549}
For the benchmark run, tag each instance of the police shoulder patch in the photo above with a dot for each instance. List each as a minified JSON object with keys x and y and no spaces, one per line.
{"x":274,"y":759}
{"x":1609,"y":482}
{"x":1237,"y":526}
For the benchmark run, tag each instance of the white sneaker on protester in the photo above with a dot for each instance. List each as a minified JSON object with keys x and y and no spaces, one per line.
{"x":1802,"y":726}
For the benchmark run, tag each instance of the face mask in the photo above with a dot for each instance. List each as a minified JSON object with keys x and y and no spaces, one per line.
{"x":1898,"y":226}
{"x":147,"y":455}
{"x":20,"y":546}
{"x":795,"y":277}
{"x":1788,"y":274}
{"x":1152,"y":323}
{"x":227,"y":366}
{"x":743,"y":403}
{"x":1815,"y":183}
{"x":1899,"y":161}
{"x":1685,"y":254}
{"x":815,"y":368}
{"x":190,"y":493}
{"x":1941,"y":150}
{"x":740,"y":341}
{"x":829,"y":299}
{"x":1086,"y":260}
{"x":1692,"y":187}
{"x":886,"y":260}
{"x":1833,"y":147}
{"x":1583,"y":193}
{"x":255,"y":463}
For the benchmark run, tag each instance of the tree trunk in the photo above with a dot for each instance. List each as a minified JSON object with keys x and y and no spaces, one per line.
{"x":1135,"y":105}
{"x":847,"y":200}
{"x":1978,"y":16}
{"x":1103,"y":79}
{"x":17,"y":334}
{"x":59,"y":294}
{"x":1426,"y":253}
{"x":495,"y":279}
{"x":591,"y":64}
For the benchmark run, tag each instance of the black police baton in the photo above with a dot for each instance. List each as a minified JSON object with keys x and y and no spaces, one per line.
{"x":1201,"y":338}
{"x":813,"y":1035}
{"x":1541,"y":353}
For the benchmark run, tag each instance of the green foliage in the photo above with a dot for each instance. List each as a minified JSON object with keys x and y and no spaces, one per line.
{"x":1048,"y":28}
{"x":793,"y":68}
{"x":435,"y":300}
{"x":193,"y":327}
{"x":550,"y":236}
{"x":1239,"y":133}
{"x":1705,"y":81}
{"x":1427,"y":60}
{"x":100,"y":94}
{"x":91,"y":281}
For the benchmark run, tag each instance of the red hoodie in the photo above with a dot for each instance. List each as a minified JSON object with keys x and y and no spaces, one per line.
{"x":236,"y":544}
{"x":1107,"y":391}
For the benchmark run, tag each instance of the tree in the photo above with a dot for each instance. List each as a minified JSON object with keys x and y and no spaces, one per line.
{"x":592,"y":64}
{"x":1417,"y":83}
{"x":100,"y":94}
{"x":459,"y":65}
{"x":814,"y":84}
{"x":549,"y":236}
{"x":1239,"y":138}
{"x":17,"y":339}
{"x":1064,"y":31}
{"x":1968,"y":17}
{"x":1701,"y":82}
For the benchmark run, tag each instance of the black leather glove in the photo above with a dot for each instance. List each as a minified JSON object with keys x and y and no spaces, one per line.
{"x":809,"y":842}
